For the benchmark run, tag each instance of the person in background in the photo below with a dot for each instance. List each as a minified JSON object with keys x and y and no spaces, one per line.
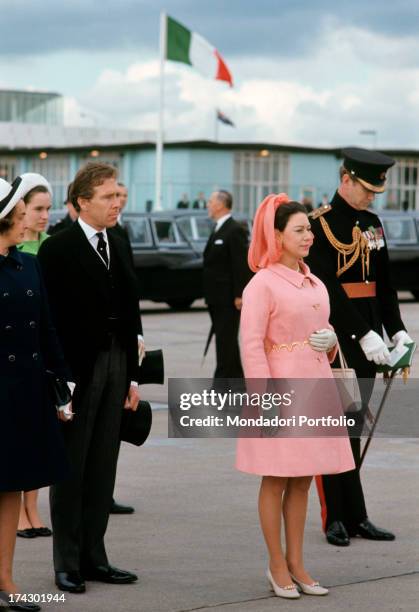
{"x":68,"y":220}
{"x":38,"y":204}
{"x":119,"y":230}
{"x":225,"y":274}
{"x":200,"y":202}
{"x":184,"y":202}
{"x":32,"y":452}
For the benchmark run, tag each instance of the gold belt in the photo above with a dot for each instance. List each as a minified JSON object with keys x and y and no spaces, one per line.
{"x":290,"y":347}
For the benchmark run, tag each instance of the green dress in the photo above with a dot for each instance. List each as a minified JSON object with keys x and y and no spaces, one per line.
{"x":32,"y":246}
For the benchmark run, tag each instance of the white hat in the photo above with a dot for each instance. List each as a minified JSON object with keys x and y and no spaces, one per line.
{"x":11,"y":194}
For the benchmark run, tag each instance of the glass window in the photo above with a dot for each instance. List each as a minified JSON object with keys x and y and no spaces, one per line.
{"x":185,"y":227}
{"x":165,"y":231}
{"x":400,"y":230}
{"x":204,"y":227}
{"x":257,"y":175}
{"x":138,"y":231}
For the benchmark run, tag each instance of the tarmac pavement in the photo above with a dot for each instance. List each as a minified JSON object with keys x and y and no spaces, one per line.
{"x":194,"y":538}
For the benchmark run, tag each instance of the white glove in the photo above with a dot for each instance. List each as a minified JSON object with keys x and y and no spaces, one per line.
{"x":400,"y":339}
{"x":323,"y":340}
{"x":141,"y":349}
{"x":375,"y":348}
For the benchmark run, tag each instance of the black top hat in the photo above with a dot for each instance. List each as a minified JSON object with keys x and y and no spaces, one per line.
{"x":367,"y":167}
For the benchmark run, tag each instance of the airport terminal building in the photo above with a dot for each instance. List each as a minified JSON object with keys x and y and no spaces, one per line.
{"x":249,"y":170}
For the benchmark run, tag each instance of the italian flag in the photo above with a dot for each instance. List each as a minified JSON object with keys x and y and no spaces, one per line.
{"x":188,"y":47}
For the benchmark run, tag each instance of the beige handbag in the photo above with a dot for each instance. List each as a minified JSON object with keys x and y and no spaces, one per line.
{"x":347,"y":384}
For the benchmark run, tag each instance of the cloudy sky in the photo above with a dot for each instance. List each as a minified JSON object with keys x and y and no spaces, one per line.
{"x":311,"y":72}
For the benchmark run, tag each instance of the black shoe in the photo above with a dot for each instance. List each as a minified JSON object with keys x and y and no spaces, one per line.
{"x":109,"y":574}
{"x":120,"y":509}
{"x":21,"y":605}
{"x":370,"y":532}
{"x":26,"y":533}
{"x":42,"y":531}
{"x":70,"y":581}
{"x":336,"y":534}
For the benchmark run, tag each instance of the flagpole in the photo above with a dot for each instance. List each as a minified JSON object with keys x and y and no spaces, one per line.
{"x":216,"y":125}
{"x":160,"y":128}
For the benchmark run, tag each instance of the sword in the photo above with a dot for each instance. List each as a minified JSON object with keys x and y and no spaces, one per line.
{"x":380,"y":408}
{"x":210,"y":335}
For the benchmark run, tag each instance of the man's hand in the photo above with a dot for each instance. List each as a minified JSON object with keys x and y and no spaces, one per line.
{"x":400,"y":339}
{"x":238,"y":303}
{"x":133,"y":397}
{"x":375,"y":348}
{"x":141,"y":349}
{"x":65,"y":413}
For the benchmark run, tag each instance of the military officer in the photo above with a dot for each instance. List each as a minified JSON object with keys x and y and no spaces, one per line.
{"x":350,"y":255}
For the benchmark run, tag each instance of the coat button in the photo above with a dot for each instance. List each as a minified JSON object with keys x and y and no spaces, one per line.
{"x":353,"y":336}
{"x":32,"y":324}
{"x":12,"y":358}
{"x":8,"y":328}
{"x":35,"y":356}
{"x":29,"y":292}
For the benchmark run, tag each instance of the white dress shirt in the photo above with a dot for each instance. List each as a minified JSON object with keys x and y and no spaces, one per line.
{"x":91,"y":235}
{"x":221,"y":221}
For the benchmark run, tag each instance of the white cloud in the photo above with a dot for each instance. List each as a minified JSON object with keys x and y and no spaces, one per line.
{"x":355,"y":80}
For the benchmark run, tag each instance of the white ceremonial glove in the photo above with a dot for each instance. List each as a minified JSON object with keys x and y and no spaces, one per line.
{"x":323,"y":340}
{"x":141,"y":349}
{"x":400,"y":339}
{"x":375,"y":348}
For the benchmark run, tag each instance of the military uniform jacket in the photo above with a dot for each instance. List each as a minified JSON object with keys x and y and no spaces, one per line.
{"x":352,"y":318}
{"x":226,"y":272}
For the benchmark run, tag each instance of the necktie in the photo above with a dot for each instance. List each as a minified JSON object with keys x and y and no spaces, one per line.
{"x":101,"y":248}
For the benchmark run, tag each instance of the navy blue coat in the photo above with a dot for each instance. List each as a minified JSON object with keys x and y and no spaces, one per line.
{"x":31,"y":453}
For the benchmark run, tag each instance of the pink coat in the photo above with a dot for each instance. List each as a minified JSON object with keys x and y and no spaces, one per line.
{"x":281,"y":309}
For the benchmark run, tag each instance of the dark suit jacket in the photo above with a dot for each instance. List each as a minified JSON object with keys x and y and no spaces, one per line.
{"x":77,"y":294}
{"x":226,"y":272}
{"x":61,"y":225}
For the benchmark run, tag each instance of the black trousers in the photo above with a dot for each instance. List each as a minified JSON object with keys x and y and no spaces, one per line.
{"x":225,"y":319}
{"x":80,"y":506}
{"x":341,"y":495}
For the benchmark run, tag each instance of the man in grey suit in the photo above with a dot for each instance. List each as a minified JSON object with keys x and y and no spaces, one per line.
{"x":93,"y":296}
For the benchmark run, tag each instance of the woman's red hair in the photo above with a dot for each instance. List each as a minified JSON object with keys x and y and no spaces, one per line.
{"x":264,"y":249}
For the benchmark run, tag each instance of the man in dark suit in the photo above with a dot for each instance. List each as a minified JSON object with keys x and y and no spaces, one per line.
{"x":225,"y":275}
{"x":120,"y":230}
{"x":68,"y":220}
{"x":92,"y":291}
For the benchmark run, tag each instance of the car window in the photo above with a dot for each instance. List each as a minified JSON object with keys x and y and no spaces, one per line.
{"x":400,"y":229}
{"x":204,"y":227}
{"x":165,"y":231}
{"x":185,"y":226}
{"x":138,"y":231}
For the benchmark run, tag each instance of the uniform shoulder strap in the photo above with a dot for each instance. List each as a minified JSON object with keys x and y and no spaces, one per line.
{"x":318,"y":212}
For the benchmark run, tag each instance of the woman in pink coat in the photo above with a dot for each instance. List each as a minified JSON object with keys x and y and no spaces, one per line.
{"x":285,"y":333}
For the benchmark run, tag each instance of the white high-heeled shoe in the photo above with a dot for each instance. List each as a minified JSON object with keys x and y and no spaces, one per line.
{"x":289,"y":591}
{"x":310,"y":589}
